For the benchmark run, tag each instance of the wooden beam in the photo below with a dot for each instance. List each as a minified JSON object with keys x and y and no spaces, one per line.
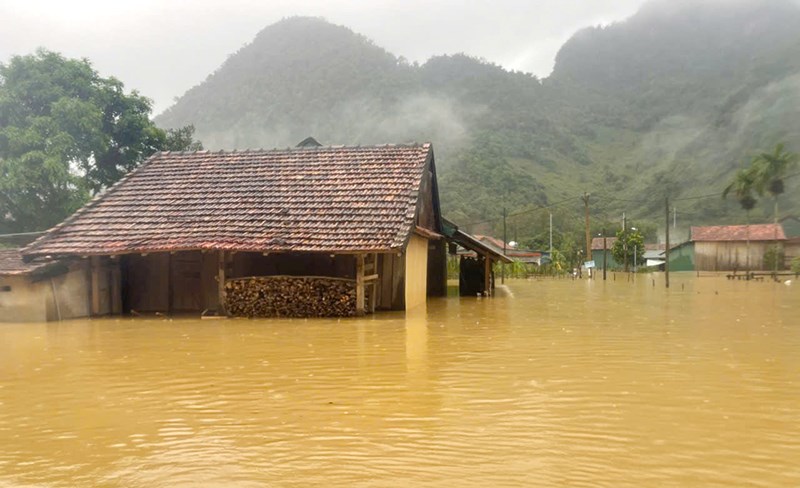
{"x":94,"y":263}
{"x":371,"y":277}
{"x":116,"y":288}
{"x":222,"y":309}
{"x":487,"y":276}
{"x":360,"y":309}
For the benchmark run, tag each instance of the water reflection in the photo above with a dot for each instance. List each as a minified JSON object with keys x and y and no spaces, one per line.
{"x":591,"y":383}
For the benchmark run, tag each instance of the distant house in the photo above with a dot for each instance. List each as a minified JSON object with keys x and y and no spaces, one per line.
{"x":725,"y":247}
{"x":653,"y":255}
{"x":176,"y":234}
{"x":514,"y":253}
{"x":602,"y":255}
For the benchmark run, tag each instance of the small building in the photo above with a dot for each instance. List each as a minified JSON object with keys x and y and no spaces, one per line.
{"x":652,"y":256}
{"x":726,"y":248}
{"x":306,"y":231}
{"x":601,"y":253}
{"x":475,"y":261}
{"x":41,"y":291}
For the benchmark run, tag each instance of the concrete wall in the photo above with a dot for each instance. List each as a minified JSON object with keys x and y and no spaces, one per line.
{"x":416,"y":272}
{"x":21,"y":300}
{"x":62,"y":297}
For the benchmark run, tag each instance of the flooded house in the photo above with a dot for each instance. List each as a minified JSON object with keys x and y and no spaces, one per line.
{"x":476,"y":261}
{"x":726,"y":247}
{"x":40,"y":291}
{"x":305,"y":231}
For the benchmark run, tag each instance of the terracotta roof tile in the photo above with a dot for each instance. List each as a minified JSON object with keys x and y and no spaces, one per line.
{"x":755,"y":232}
{"x":317,"y":199}
{"x":11,"y":263}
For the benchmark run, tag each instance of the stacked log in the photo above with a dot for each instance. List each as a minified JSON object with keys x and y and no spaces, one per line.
{"x":290,"y":296}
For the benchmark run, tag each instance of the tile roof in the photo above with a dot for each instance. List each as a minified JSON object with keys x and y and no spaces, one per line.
{"x":11,"y":263}
{"x":315,"y":199}
{"x":597,"y":243}
{"x":755,"y":232}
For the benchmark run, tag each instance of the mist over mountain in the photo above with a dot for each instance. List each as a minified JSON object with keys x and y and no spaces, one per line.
{"x":673,"y":99}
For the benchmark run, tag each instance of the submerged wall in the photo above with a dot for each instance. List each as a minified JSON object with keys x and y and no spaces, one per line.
{"x":416,"y":272}
{"x":25,"y":299}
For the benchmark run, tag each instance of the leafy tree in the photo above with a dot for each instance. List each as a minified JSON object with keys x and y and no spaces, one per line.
{"x":65,"y":134}
{"x":628,"y":248}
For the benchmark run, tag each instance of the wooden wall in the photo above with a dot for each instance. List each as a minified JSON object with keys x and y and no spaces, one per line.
{"x":437,"y":268}
{"x":391,"y":282}
{"x":416,"y":272}
{"x":293,"y":264}
{"x":727,"y":256}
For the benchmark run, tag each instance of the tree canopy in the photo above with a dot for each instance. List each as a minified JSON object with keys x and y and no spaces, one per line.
{"x":67,"y":133}
{"x":628,"y":248}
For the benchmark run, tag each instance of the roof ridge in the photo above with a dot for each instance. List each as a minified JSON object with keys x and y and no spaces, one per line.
{"x":410,"y":145}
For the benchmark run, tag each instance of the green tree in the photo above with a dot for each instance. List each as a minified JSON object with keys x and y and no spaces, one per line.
{"x":66,"y":133}
{"x":742,"y":187}
{"x":628,"y":248}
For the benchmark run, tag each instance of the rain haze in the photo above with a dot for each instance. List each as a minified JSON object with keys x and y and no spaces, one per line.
{"x":164,"y":48}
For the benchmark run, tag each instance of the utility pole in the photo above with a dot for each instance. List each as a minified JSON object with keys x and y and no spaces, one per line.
{"x":674,"y":217}
{"x":605,"y":253}
{"x":551,"y":236}
{"x":588,"y":235}
{"x":666,"y":251}
{"x":625,"y":242}
{"x":503,"y":264}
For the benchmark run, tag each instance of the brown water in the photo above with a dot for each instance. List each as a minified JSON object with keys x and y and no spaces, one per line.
{"x":563,"y":383}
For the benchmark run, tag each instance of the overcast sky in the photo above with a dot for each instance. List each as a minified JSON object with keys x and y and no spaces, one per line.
{"x":164,"y":47}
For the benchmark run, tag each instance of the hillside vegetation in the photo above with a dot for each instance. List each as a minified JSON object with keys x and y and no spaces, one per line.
{"x":671,"y":101}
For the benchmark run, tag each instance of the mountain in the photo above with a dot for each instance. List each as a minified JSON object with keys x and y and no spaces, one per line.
{"x":673,"y":99}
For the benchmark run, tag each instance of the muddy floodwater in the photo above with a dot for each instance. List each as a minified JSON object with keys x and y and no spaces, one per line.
{"x":558,"y":383}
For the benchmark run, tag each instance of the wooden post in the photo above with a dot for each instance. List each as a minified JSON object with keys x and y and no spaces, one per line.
{"x":487,"y":275}
{"x":588,"y":237}
{"x":94,"y":263}
{"x":360,"y":310}
{"x":222,"y":309}
{"x":116,"y":288}
{"x":666,"y":247}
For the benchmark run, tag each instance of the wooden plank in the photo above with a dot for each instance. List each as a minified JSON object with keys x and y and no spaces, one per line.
{"x":116,"y":288}
{"x":371,"y":277}
{"x":221,"y":283}
{"x":487,"y":276}
{"x":372,"y":296}
{"x":360,"y":309}
{"x":94,"y":263}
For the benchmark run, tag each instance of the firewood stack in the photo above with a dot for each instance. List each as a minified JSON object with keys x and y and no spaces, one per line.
{"x":291,"y":296}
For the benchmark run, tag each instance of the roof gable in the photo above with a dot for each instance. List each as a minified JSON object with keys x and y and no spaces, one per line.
{"x":316,"y":199}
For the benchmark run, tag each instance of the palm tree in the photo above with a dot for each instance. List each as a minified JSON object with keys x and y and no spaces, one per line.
{"x":769,"y":170}
{"x":742,"y":187}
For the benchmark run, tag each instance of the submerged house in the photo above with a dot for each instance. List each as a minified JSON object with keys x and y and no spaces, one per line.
{"x":726,"y":247}
{"x":306,"y":231}
{"x":476,"y":261}
{"x":40,"y":291}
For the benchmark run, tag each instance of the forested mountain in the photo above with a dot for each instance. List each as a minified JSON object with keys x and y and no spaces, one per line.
{"x":672,"y":100}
